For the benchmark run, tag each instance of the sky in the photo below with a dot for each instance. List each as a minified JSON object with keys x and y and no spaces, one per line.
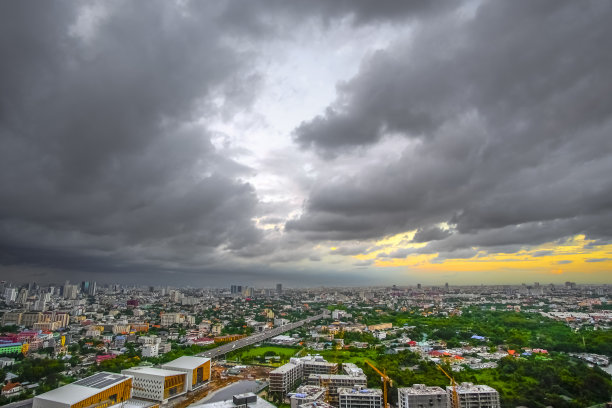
{"x":342,"y":143}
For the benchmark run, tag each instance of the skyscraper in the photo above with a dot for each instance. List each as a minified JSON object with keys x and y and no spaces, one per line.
{"x":279,"y":288}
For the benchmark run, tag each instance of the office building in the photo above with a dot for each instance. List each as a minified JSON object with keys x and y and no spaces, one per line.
{"x":360,"y":397}
{"x":101,"y":389}
{"x":10,"y":294}
{"x":279,"y":289}
{"x":157,"y":384}
{"x":419,"y":396}
{"x":474,"y":396}
{"x":196,"y":368}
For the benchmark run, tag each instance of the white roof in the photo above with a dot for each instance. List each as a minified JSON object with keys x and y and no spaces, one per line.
{"x":186,"y":362}
{"x":260,"y":403}
{"x":160,"y":372}
{"x":74,"y":393}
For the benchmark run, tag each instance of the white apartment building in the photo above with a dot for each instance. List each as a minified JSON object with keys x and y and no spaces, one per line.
{"x":474,"y":396}
{"x":150,"y":350}
{"x":306,"y":394}
{"x":334,"y":381}
{"x":359,"y":397}
{"x":421,"y":396}
{"x":284,"y":378}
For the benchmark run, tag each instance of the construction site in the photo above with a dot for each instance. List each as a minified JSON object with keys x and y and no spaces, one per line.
{"x":222,"y":375}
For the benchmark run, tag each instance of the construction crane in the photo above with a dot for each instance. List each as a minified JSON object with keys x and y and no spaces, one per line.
{"x":385,"y":380}
{"x":455,"y":401}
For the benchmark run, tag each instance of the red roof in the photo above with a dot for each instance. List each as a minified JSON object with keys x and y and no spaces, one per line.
{"x":10,"y":386}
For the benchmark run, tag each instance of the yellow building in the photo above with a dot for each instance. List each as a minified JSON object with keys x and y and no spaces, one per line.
{"x":97,"y":391}
{"x":157,"y":384}
{"x":381,"y":326}
{"x":196,"y":368}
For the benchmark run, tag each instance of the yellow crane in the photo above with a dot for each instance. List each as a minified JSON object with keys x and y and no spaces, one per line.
{"x":454,"y":385}
{"x":385,"y":380}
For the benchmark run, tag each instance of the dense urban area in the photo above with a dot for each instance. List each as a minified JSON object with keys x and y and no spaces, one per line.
{"x":90,"y":345}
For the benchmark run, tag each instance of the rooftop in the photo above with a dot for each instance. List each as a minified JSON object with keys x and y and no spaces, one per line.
{"x":151,"y":371}
{"x":284,"y":368}
{"x":83,"y":389}
{"x":422,"y":389}
{"x":258,"y":403}
{"x":361,"y":391}
{"x":186,"y":362}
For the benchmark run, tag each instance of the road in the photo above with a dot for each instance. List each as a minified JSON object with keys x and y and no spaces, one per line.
{"x":256,"y":338}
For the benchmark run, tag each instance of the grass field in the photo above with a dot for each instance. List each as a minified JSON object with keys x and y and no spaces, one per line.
{"x":284,"y":352}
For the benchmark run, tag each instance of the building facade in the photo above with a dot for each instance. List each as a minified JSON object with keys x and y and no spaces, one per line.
{"x":360,"y":397}
{"x":284,"y":378}
{"x":99,"y":390}
{"x":474,"y":396}
{"x":421,"y":396}
{"x":197,"y":370}
{"x":157,"y":384}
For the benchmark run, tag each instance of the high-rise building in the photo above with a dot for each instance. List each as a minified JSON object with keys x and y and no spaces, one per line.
{"x":92,"y":289}
{"x":420,"y":395}
{"x":22,"y":297}
{"x":10,"y":294}
{"x":70,"y":291}
{"x":279,"y":288}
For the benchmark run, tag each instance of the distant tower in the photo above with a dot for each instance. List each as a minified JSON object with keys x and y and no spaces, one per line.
{"x":279,"y":288}
{"x":418,"y":286}
{"x":92,"y":288}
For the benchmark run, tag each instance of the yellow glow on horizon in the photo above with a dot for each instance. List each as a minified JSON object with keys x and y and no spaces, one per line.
{"x":569,"y":257}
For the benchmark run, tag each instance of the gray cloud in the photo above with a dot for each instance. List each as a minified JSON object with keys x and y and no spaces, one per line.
{"x":598,"y":259}
{"x":431,"y":234}
{"x":501,"y":121}
{"x":504,"y":122}
{"x":102,"y":160}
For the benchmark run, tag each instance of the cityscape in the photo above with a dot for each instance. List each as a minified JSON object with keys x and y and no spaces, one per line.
{"x":88,"y":344}
{"x":305,"y":204}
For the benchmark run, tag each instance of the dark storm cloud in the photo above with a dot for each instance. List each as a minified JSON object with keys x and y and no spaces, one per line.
{"x":101,"y":152}
{"x":506,"y":121}
{"x":264,"y":17}
{"x":430,"y":234}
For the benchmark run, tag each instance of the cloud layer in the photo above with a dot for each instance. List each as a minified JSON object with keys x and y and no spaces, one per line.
{"x":470,"y":127}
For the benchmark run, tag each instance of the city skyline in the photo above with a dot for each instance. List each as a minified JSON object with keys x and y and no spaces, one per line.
{"x":337,"y":143}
